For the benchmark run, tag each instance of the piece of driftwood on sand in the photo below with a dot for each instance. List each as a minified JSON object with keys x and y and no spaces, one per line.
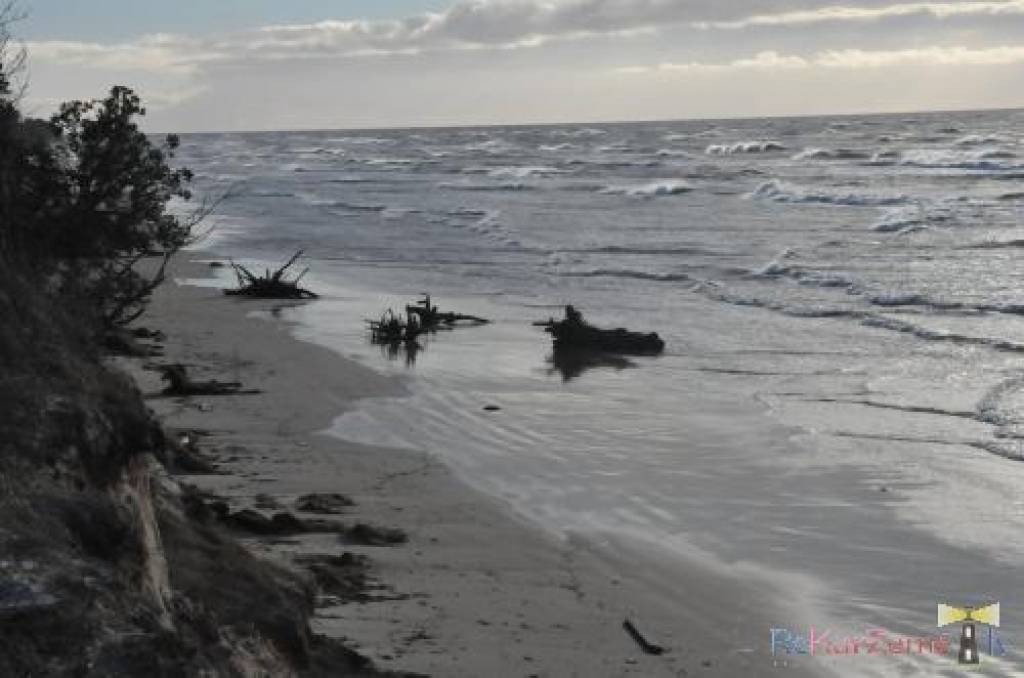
{"x":392,"y":328}
{"x":431,"y":317}
{"x":271,"y":285}
{"x":180,"y":384}
{"x":573,"y":332}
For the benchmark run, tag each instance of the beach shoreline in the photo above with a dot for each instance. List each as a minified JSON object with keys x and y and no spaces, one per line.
{"x":476,"y":590}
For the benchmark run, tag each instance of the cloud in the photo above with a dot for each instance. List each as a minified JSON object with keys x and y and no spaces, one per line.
{"x":847,"y":59}
{"x":937,"y":10}
{"x":481,"y":24}
{"x":171,"y":54}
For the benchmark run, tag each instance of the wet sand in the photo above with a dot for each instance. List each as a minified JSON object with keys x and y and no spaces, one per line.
{"x":476,"y":591}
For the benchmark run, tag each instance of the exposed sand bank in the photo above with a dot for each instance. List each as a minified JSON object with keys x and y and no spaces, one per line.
{"x":476,"y":591}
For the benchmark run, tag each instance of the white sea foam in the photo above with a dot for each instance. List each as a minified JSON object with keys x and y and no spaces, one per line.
{"x":631,"y":274}
{"x":501,"y":186}
{"x":980,"y":140}
{"x":899,"y":219}
{"x":980,"y":159}
{"x":830,"y":154}
{"x":744,"y":147}
{"x":653,"y":189}
{"x":556,"y":148}
{"x":523,"y":172}
{"x":780,"y":191}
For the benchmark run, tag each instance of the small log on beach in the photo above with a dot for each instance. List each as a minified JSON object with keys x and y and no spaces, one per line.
{"x":180,"y":384}
{"x":573,"y":332}
{"x":431,"y":317}
{"x":271,"y":285}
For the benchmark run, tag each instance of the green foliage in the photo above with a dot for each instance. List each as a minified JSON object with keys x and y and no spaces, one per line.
{"x":85,"y":202}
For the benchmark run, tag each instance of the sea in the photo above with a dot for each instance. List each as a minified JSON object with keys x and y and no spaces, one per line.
{"x":839,"y":413}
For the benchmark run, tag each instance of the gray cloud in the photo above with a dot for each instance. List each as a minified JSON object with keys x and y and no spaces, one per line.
{"x":494,"y":24}
{"x":544,"y":47}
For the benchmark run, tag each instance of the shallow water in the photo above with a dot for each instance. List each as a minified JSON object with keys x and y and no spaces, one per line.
{"x":837,"y":415}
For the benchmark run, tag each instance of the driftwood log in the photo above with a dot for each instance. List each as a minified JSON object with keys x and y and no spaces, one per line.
{"x":272,"y":284}
{"x":573,"y":332}
{"x":645,"y":645}
{"x":430,"y":317}
{"x":180,"y":384}
{"x":392,"y":328}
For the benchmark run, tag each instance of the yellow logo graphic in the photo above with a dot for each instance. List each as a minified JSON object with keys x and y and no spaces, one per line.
{"x":989,"y":614}
{"x":982,"y":615}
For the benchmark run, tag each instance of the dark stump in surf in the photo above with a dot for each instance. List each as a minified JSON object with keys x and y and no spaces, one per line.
{"x":574,"y":333}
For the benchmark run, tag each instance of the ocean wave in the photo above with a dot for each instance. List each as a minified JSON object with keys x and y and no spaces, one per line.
{"x":779,"y":267}
{"x":505,"y":186}
{"x":318,"y":150}
{"x":652,"y":189}
{"x":631,"y":274}
{"x":744,"y":147}
{"x":614,"y":163}
{"x":997,"y":244}
{"x":830,"y":154}
{"x":579,"y":133}
{"x":396,"y":162}
{"x":779,"y":191}
{"x":900,"y":220}
{"x":896,"y":325}
{"x":523,"y":172}
{"x":666,"y":250}
{"x":884,"y":158}
{"x":331,"y":203}
{"x":492,"y":147}
{"x":269,"y":194}
{"x":671,"y":153}
{"x":356,"y":207}
{"x":556,"y":148}
{"x":987,"y":159}
{"x":361,"y":141}
{"x":776,"y":266}
{"x":894,"y":299}
{"x":980,"y":140}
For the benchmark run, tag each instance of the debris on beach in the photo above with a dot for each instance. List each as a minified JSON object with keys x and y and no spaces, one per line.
{"x":431,"y":318}
{"x":184,"y":455}
{"x":271,"y":285}
{"x":180,"y":384}
{"x":323,"y":503}
{"x":573,"y":332}
{"x":369,"y":535}
{"x":344,"y":578}
{"x":392,"y":328}
{"x":645,"y":645}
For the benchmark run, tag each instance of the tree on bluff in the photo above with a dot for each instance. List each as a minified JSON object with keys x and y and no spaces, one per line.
{"x":87,"y":201}
{"x":108,"y":210}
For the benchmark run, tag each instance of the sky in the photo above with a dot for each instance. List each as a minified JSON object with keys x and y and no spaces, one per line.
{"x":333,"y":64}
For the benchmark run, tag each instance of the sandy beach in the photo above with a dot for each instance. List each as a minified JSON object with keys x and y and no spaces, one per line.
{"x":476,"y":590}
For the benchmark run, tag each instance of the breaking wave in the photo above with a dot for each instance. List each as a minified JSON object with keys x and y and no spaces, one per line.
{"x":466,"y":186}
{"x":652,"y":189}
{"x":780,"y":191}
{"x":631,"y":274}
{"x":830,"y":154}
{"x":744,"y":147}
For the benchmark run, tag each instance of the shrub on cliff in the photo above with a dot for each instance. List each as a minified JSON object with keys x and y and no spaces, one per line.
{"x":90,"y":204}
{"x":84,"y":198}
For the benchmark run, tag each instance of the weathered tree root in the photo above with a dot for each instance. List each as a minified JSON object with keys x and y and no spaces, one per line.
{"x":270,"y":285}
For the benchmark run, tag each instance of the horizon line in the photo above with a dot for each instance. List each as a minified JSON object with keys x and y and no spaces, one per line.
{"x":733,"y":118}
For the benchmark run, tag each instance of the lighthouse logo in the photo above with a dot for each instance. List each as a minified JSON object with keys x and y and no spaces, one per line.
{"x":970,"y":618}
